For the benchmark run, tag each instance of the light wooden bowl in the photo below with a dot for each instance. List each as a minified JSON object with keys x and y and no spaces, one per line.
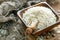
{"x":21,"y":12}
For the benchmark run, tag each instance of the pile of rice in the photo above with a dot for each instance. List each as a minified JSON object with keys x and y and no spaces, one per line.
{"x":43,"y":15}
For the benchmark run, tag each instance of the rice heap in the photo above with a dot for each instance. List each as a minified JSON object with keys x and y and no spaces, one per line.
{"x":43,"y":15}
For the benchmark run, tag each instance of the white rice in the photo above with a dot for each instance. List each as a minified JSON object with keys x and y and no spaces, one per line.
{"x":42,"y":14}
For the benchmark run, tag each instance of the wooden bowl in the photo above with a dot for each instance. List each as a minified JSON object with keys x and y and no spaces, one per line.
{"x":39,"y":32}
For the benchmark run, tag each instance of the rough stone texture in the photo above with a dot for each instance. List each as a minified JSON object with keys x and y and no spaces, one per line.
{"x":11,"y":27}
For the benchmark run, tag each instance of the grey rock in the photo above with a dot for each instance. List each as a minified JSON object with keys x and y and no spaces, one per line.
{"x":4,"y":32}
